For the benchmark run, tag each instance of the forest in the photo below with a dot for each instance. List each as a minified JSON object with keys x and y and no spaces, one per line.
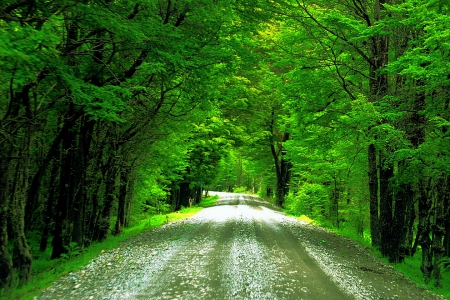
{"x":334,"y":109}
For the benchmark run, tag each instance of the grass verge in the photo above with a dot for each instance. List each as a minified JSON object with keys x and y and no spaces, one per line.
{"x":46,"y":271}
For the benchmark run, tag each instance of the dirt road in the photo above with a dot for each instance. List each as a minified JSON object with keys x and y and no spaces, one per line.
{"x":240,"y":249}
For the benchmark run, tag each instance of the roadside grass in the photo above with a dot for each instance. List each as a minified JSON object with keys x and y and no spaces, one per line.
{"x":208,"y":202}
{"x":305,"y":219}
{"x":46,"y":270}
{"x":410,"y":267}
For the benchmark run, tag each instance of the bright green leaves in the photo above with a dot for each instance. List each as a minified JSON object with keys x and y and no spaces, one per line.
{"x":428,"y":55}
{"x":25,"y":51}
{"x":309,"y":200}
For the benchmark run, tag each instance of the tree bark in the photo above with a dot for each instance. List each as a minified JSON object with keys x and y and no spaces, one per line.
{"x":446,"y":242}
{"x":6,"y":269}
{"x":62,"y":232}
{"x":33,"y":191}
{"x":399,"y":248}
{"x":48,"y":217}
{"x":386,"y":173}
{"x":22,"y":259}
{"x":282,"y":166}
{"x":185,"y":194}
{"x":121,"y":208}
{"x":378,"y":87}
{"x":78,"y":208}
{"x":438,"y":229}
{"x":373,"y":200}
{"x":424,"y":230}
{"x":110,"y":196}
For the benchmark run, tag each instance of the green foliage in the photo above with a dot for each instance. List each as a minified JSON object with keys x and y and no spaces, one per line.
{"x":309,"y":199}
{"x":411,"y":268}
{"x":208,"y":201}
{"x":73,"y":250}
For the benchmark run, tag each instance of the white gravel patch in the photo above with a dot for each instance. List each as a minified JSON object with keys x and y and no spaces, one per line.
{"x":343,"y":277}
{"x":248,"y":272}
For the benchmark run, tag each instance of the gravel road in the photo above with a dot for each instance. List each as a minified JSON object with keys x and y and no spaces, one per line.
{"x":242,"y":248}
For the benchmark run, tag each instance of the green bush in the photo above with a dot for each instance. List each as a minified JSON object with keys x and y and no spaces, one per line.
{"x":309,"y":200}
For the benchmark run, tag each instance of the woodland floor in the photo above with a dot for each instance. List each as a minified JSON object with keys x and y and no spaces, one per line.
{"x":242,"y":248}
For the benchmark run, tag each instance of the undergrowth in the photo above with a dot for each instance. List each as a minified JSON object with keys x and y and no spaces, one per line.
{"x":46,"y":270}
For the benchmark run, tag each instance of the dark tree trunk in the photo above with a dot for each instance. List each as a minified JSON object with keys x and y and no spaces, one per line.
{"x":78,"y":208}
{"x":399,"y":248}
{"x":446,"y":242}
{"x":373,"y":192}
{"x":6,"y":266}
{"x":22,"y":259}
{"x":334,"y":210}
{"x":198,"y":193}
{"x":110,"y":196}
{"x":185,"y":195}
{"x":378,"y":87}
{"x":424,"y":229}
{"x":128,"y":204}
{"x":386,"y":173}
{"x":33,"y":191}
{"x":175,"y":196}
{"x":282,"y":169}
{"x":438,"y":230}
{"x":409,"y":225}
{"x":121,"y":209}
{"x":48,"y":217}
{"x":61,"y":234}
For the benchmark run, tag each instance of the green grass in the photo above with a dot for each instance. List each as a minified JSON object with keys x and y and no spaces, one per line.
{"x":305,"y":219}
{"x":46,"y":271}
{"x":411,"y":268}
{"x":208,"y":202}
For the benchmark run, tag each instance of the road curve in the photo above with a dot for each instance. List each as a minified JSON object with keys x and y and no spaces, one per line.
{"x":242,"y":248}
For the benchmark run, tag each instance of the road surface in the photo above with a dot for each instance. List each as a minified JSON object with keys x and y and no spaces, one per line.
{"x":242,"y":248}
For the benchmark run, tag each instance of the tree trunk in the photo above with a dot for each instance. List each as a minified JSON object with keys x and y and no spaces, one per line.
{"x":378,"y":87}
{"x":120,"y":222}
{"x":198,"y":193}
{"x":409,"y":225}
{"x":110,"y":196}
{"x":185,"y":194}
{"x":282,"y":169}
{"x":48,"y":217}
{"x":6,"y":269}
{"x":386,"y":173}
{"x":77,"y":212}
{"x":22,"y":259}
{"x":438,"y":230}
{"x":373,"y":192}
{"x":175,"y":196}
{"x":400,"y":223}
{"x":33,"y":191}
{"x":334,"y":211}
{"x":446,"y":242}
{"x":61,"y":234}
{"x":424,"y":229}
